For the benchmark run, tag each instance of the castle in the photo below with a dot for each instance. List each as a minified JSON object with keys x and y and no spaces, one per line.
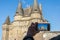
{"x":23,"y":18}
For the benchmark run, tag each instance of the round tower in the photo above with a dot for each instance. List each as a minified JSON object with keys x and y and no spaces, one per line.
{"x":5,"y":29}
{"x":36,"y":11}
{"x":19,"y":12}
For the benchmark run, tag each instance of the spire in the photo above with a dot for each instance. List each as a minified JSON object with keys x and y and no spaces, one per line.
{"x":35,"y":3}
{"x":19,"y":10}
{"x":7,"y":21}
{"x":35,"y":6}
{"x":40,"y":7}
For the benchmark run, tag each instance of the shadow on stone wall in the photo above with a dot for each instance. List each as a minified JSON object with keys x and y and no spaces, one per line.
{"x":56,"y":38}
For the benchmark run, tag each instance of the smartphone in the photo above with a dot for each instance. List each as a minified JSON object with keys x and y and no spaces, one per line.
{"x":43,"y":26}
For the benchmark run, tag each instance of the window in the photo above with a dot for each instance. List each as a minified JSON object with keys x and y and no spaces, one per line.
{"x":14,"y":39}
{"x":35,"y":9}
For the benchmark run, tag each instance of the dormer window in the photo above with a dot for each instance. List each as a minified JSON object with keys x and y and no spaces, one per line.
{"x":17,"y":12}
{"x":35,"y":10}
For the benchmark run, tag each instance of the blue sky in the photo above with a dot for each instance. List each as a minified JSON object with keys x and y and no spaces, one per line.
{"x":50,"y":10}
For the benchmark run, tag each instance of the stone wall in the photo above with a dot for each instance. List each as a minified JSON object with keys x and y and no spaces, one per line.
{"x":46,"y":35}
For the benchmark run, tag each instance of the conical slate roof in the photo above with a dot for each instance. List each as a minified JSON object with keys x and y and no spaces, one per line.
{"x":19,"y":10}
{"x":35,"y":6}
{"x":7,"y":21}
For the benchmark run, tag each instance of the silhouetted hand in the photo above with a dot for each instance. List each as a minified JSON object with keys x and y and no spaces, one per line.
{"x":32,"y":30}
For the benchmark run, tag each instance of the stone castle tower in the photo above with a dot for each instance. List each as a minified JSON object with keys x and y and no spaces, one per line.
{"x":23,"y":18}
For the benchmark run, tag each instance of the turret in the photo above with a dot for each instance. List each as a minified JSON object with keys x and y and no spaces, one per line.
{"x":35,"y":7}
{"x":40,"y":7}
{"x":6,"y":24}
{"x":5,"y":29}
{"x":7,"y":21}
{"x":42,"y":18}
{"x":35,"y":10}
{"x":19,"y":12}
